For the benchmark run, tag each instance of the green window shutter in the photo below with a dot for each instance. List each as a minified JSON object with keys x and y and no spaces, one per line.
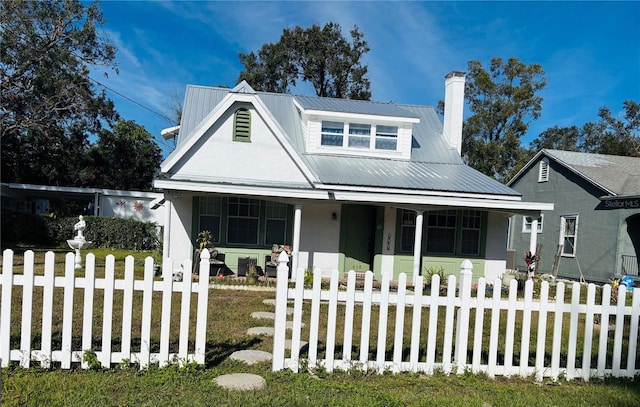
{"x":242,"y":126}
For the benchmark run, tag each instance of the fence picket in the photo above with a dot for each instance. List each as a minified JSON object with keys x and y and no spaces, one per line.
{"x":588,"y":332}
{"x":127,"y":308}
{"x":399,"y":323}
{"x":315,"y":318}
{"x":449,"y":324}
{"x":27,"y":304}
{"x":511,"y":323}
{"x":382,"y":322}
{"x":478,"y":326}
{"x":416,"y":320}
{"x":145,"y":329}
{"x":617,"y":341}
{"x":67,"y":311}
{"x":107,"y":311}
{"x":87,"y":314}
{"x":47,"y":308}
{"x":348,"y":318}
{"x":185,"y":308}
{"x":526,"y":328}
{"x":5,"y":307}
{"x":557,"y":331}
{"x":433,"y":323}
{"x":366,"y":318}
{"x":297,"y":323}
{"x":492,"y":362}
{"x":542,"y":330}
{"x":462,"y":330}
{"x":165,"y":323}
{"x":603,"y":341}
{"x":633,"y":334}
{"x":203,"y":302}
{"x":573,"y":331}
{"x":332,"y":315}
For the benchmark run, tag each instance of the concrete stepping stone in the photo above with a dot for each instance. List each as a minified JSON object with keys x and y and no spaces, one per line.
{"x":251,"y":357}
{"x":261,"y":330}
{"x":263,"y":315}
{"x":240,"y":381}
{"x":287,"y":344}
{"x":269,"y":301}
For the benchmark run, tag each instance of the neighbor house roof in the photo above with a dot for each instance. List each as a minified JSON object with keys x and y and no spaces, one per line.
{"x":434,"y":166}
{"x":615,"y":175}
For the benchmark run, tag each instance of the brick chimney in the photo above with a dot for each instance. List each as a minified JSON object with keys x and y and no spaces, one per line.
{"x":453,"y":108}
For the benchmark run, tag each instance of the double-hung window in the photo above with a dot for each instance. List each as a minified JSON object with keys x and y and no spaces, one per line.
{"x":332,"y":133}
{"x":528,"y":220}
{"x":407,"y":230}
{"x":209,"y":216}
{"x":386,"y":137}
{"x":568,"y":234}
{"x":243,"y":220}
{"x":441,"y":232}
{"x":275,"y":223}
{"x":471,"y":226}
{"x":359,"y":135}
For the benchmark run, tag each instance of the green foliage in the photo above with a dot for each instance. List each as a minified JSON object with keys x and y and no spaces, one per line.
{"x":129,"y":234}
{"x":49,"y":103}
{"x":205,"y":239}
{"x":308,"y":278}
{"x":318,"y":55}
{"x":18,"y":227}
{"x":503,"y":101}
{"x":429,"y":272}
{"x":608,"y":135}
{"x":90,"y":357}
{"x":126,"y":158}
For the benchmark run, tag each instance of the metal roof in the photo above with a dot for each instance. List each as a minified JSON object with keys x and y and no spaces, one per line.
{"x":619,"y":175}
{"x":352,"y":106}
{"x":434,"y":166}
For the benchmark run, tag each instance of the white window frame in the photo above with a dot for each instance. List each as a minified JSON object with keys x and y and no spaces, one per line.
{"x":357,"y":136}
{"x":543,"y":170}
{"x":564,"y":235}
{"x":526,"y":223}
{"x":385,"y":136}
{"x":323,"y":133}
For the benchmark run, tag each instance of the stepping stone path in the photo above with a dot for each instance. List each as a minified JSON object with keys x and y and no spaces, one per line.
{"x":240,"y":381}
{"x":245,"y":381}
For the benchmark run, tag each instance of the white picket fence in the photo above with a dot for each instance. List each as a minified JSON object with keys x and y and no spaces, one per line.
{"x":110,"y":288}
{"x":461,"y":336}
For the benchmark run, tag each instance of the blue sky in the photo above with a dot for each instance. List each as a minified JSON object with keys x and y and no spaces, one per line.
{"x":590,"y":51}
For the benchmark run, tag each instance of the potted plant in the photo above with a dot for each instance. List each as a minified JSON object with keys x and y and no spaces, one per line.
{"x":204,"y":241}
{"x":252,"y":273}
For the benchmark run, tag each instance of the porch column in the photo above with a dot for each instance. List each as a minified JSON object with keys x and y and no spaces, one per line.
{"x":417,"y":245}
{"x":533,"y":242}
{"x":295,"y":250}
{"x":166,"y":231}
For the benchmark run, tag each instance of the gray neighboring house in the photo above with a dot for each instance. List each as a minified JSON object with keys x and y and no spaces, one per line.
{"x":594,"y":230}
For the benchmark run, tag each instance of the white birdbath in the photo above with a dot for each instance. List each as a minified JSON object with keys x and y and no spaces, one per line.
{"x":76,"y":245}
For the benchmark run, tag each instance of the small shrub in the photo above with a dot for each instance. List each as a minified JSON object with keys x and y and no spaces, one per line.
{"x":429,"y":272}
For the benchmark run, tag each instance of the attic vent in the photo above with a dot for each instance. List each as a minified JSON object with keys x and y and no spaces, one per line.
{"x":543,"y":172}
{"x":242,"y":126}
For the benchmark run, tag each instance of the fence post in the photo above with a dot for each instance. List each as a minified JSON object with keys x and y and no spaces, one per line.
{"x":280,"y":323}
{"x":462,"y":337}
{"x":5,"y":308}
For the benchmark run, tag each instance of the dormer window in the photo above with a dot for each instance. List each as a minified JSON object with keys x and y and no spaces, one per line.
{"x":386,"y":137}
{"x":332,"y":133}
{"x":359,"y":135}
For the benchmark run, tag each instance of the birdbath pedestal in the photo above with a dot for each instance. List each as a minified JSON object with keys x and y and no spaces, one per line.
{"x":77,"y":245}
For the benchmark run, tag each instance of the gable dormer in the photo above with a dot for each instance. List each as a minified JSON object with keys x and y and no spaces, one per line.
{"x":356,"y":128}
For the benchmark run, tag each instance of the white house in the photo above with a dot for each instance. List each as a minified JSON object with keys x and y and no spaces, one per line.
{"x":347,"y":184}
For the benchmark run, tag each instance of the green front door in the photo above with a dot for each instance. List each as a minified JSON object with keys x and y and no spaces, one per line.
{"x":357,"y":236}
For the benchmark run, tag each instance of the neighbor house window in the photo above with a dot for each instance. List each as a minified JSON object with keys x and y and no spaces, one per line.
{"x":359,"y":135}
{"x":243,"y":220}
{"x":242,"y":125}
{"x":275,"y":223}
{"x":407,"y":231}
{"x":332,"y":133}
{"x":441,"y":232}
{"x":386,"y":137}
{"x":471,"y":226}
{"x":209,"y":216}
{"x":568,"y":234}
{"x":543,"y":170}
{"x":526,"y":223}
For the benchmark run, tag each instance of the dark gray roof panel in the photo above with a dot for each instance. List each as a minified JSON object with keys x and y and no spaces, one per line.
{"x":619,"y":174}
{"x":352,"y":106}
{"x":377,"y":173}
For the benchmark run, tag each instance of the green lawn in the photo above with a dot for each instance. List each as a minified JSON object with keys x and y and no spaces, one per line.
{"x":229,"y":319}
